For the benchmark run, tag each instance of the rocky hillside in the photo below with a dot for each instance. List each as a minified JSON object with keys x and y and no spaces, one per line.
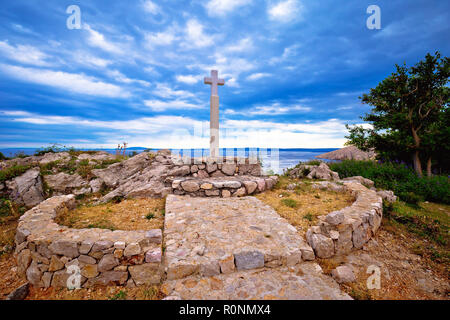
{"x":28,"y":181}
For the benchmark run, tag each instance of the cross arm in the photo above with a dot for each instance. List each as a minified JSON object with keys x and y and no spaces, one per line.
{"x":208,"y":80}
{"x":220,"y":82}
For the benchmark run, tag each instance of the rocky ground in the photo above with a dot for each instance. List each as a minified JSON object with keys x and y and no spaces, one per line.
{"x":404,"y":274}
{"x":412,"y":255}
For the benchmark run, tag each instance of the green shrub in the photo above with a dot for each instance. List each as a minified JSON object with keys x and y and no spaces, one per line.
{"x":150,"y":216}
{"x":47,"y":168}
{"x":12,"y":172}
{"x":291,"y":203}
{"x":398,"y":178}
{"x":5,"y":207}
{"x":2,"y":157}
{"x":410,"y":198}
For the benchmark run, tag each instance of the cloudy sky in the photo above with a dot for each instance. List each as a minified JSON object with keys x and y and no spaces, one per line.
{"x":134,"y":70}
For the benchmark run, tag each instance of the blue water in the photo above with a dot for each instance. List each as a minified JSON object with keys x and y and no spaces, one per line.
{"x":286,"y":157}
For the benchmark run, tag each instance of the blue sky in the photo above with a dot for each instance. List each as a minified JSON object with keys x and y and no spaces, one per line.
{"x":134,"y":71}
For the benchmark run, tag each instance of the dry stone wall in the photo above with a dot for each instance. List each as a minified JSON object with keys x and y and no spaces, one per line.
{"x":340,"y":231}
{"x":47,"y":252}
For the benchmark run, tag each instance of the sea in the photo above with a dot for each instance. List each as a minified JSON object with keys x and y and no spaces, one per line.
{"x":276,"y":160}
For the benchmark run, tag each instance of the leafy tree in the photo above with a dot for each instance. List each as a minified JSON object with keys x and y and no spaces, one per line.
{"x":409,"y":117}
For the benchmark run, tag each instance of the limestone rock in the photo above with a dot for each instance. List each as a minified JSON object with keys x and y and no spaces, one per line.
{"x":190,"y":186}
{"x":387,"y":195}
{"x":27,"y":188}
{"x":90,"y":271}
{"x":34,"y":274}
{"x":212,"y":193}
{"x":107,"y":262}
{"x":211,"y":167}
{"x":19,"y":293}
{"x":249,"y":260}
{"x":226,"y":194}
{"x":250,"y":186}
{"x":343,"y":274}
{"x":132,"y":249}
{"x":335,"y":217}
{"x":365,"y":182}
{"x":55,"y":264}
{"x":322,"y":245}
{"x":153,"y":255}
{"x":239,"y":192}
{"x":227,"y":264}
{"x":229,"y":168}
{"x":144,"y":274}
{"x":65,"y":248}
{"x":154,"y":236}
{"x":65,"y":183}
{"x":321,"y":171}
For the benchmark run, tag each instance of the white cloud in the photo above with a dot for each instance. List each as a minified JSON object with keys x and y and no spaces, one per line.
{"x":285,"y":11}
{"x":188,"y":79}
{"x":160,"y":105}
{"x":24,"y":54}
{"x":120,"y":77}
{"x":244,"y":45}
{"x":257,"y":76}
{"x":161,"y":38}
{"x":288,"y":52}
{"x":222,"y":7}
{"x":89,"y":60}
{"x":151,"y":7}
{"x":229,"y":68}
{"x":96,"y":39}
{"x":176,"y":131}
{"x":164,"y":91}
{"x":195,"y":35}
{"x":77,"y":83}
{"x":273,"y":109}
{"x":22,"y":29}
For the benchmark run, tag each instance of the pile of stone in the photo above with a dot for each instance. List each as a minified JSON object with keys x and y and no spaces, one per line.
{"x":321,"y":171}
{"x":340,"y":231}
{"x":147,"y":174}
{"x":57,"y":256}
{"x":237,"y":186}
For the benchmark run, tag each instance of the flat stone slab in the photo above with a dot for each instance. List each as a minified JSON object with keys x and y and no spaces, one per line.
{"x":303,"y":282}
{"x":210,"y":236}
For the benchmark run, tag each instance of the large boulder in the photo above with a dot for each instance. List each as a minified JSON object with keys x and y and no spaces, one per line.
{"x":27,"y":188}
{"x":147,"y":180}
{"x":387,"y":195}
{"x":119,"y":172}
{"x":63,"y":183}
{"x":364,"y":181}
{"x":52,"y":157}
{"x":98,"y":156}
{"x":321,"y":171}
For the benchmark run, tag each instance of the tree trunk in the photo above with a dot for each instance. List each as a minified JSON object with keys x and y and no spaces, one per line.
{"x":429,"y":173}
{"x":417,"y":163}
{"x":416,"y":158}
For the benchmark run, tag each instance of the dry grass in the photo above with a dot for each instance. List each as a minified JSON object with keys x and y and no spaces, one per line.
{"x":9,"y":279}
{"x":302,"y":205}
{"x":130,"y":214}
{"x":97,"y":293}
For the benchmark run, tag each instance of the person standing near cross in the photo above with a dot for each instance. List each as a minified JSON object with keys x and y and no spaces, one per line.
{"x":214,"y":81}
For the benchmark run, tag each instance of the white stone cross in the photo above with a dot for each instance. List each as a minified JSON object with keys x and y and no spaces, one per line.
{"x":214,"y":81}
